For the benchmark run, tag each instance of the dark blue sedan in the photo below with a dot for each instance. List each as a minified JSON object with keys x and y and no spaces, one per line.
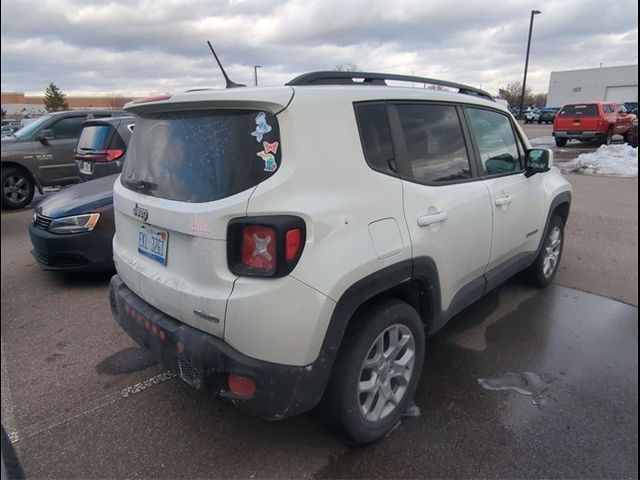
{"x":72,"y":229}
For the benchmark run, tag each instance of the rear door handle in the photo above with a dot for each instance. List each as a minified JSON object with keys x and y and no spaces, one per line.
{"x":426,"y":220}
{"x":504,"y":200}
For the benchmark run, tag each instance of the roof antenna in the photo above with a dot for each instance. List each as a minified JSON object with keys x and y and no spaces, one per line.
{"x":230,"y":83}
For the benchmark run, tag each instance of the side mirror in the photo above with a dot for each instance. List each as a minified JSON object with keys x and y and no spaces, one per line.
{"x":539,"y":160}
{"x":45,"y":135}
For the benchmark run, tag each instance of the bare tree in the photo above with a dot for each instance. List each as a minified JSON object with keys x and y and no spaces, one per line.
{"x":513,"y":92}
{"x":117,"y":101}
{"x":346,"y":67}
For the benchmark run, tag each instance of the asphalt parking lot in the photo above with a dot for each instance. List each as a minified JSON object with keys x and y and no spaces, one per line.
{"x":524,"y":383}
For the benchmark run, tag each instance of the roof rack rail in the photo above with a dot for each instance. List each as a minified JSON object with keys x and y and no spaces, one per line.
{"x":368,"y":78}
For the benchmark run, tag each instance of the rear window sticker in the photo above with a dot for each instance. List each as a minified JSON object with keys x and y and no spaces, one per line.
{"x":262,"y":127}
{"x":270,"y":164}
{"x":270,"y":147}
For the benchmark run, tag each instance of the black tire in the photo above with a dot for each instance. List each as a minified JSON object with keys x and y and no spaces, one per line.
{"x":561,"y":142}
{"x":540,"y":122}
{"x":536,"y":273}
{"x":17,"y":188}
{"x":342,"y":400}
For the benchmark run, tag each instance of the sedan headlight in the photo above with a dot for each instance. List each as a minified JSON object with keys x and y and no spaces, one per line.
{"x":75,"y":224}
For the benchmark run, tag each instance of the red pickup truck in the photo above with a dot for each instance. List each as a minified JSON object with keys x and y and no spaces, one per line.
{"x":591,"y":121}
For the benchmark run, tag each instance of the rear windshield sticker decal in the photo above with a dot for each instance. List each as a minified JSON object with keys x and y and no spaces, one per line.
{"x":199,"y":224}
{"x":270,"y":147}
{"x":270,"y":164}
{"x":262,"y":126}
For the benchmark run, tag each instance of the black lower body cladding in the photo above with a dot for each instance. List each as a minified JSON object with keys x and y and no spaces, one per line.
{"x":281,"y":390}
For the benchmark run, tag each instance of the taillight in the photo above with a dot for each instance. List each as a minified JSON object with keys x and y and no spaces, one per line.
{"x":265,"y":246}
{"x":293,"y":239}
{"x":113,"y":154}
{"x":101,"y":155}
{"x":259,"y":248}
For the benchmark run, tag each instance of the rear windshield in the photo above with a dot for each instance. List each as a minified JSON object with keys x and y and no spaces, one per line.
{"x":99,"y":137}
{"x":201,"y":156}
{"x":588,"y":110}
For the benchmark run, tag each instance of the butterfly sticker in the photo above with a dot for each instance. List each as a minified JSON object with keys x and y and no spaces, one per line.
{"x":270,"y":147}
{"x":270,"y":164}
{"x":262,"y":127}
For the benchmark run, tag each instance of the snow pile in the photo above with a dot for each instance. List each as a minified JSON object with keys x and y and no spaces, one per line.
{"x":613,"y":160}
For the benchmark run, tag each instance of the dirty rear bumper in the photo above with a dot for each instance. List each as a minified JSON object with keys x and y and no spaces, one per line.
{"x":281,"y":390}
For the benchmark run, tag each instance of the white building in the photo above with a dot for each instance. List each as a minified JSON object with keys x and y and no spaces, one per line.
{"x":617,"y":84}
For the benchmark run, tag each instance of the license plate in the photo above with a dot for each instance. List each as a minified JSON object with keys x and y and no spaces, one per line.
{"x":85,"y":167}
{"x":153,"y":243}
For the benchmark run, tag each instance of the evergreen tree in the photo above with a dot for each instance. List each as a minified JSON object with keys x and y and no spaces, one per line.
{"x":54,"y":99}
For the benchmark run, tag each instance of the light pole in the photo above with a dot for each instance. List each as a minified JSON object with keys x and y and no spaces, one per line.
{"x":255,"y":74}
{"x":526,"y":62}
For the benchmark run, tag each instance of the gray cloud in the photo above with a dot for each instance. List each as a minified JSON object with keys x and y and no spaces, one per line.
{"x":159,"y":46}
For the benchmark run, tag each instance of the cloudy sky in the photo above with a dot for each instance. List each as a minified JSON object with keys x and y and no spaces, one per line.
{"x":148,"y":47}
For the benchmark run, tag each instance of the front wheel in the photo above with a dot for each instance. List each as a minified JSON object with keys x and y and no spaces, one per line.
{"x":542,"y":272}
{"x":17,"y":188}
{"x":377,"y":370}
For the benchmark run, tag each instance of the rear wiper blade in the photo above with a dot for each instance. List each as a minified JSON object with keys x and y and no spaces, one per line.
{"x":142,"y":185}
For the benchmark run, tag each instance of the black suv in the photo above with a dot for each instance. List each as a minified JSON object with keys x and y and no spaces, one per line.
{"x":102,"y":146}
{"x":41,"y":154}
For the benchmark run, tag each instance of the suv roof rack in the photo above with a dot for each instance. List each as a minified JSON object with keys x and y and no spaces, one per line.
{"x":368,"y":78}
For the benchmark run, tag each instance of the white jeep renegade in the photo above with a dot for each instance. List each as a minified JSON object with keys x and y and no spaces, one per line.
{"x":283,"y":246}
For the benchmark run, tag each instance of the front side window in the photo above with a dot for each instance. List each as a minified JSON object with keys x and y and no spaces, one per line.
{"x":69,"y":127}
{"x":436,"y":150}
{"x":499,"y":148}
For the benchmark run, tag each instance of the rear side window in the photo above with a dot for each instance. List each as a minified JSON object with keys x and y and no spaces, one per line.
{"x":375,"y":135}
{"x":499,"y":148}
{"x":587,"y":110}
{"x":435,"y":144}
{"x":202,"y":156}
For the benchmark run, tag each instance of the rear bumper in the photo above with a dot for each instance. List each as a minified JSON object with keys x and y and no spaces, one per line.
{"x":81,"y":252}
{"x":578,"y":135}
{"x":281,"y":390}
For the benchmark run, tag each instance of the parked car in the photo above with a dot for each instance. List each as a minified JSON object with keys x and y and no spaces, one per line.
{"x":102,"y":146}
{"x":72,"y":230}
{"x":531,"y":115}
{"x":591,"y":121}
{"x":631,"y":107}
{"x":548,"y":114}
{"x":381,"y":225}
{"x":41,"y":155}
{"x":632,"y":136}
{"x":9,"y":129}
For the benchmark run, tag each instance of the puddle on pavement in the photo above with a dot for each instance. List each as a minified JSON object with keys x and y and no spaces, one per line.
{"x":128,"y":360}
{"x":525,"y":383}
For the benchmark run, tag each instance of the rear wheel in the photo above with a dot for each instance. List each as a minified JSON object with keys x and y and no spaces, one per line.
{"x":17,"y":188}
{"x":542,"y":272}
{"x":561,"y":142}
{"x":377,"y":370}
